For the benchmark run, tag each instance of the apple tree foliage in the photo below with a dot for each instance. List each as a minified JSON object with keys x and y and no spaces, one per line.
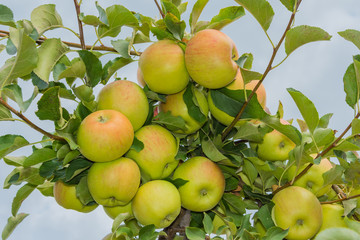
{"x":59,"y":70}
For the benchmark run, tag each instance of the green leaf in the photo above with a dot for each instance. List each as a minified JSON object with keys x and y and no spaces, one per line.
{"x":289,"y":4}
{"x":306,"y":108}
{"x":45,"y":17}
{"x":122,"y":47}
{"x":83,"y":193}
{"x":6,"y":16}
{"x":208,"y":225}
{"x":137,"y":145}
{"x":12,"y":223}
{"x":23,"y":63}
{"x":260,"y":9}
{"x":175,"y":26}
{"x":235,"y":202}
{"x":77,"y":69}
{"x":9,"y":143}
{"x":193,"y":233}
{"x":211,"y":151}
{"x":21,"y":195}
{"x":248,"y":75}
{"x":49,"y":105}
{"x":226,"y":16}
{"x":90,"y":20}
{"x":248,"y":131}
{"x":102,"y":14}
{"x":275,"y":233}
{"x":50,"y":52}
{"x":300,"y":35}
{"x":351,"y":86}
{"x":117,"y":16}
{"x":333,"y":176}
{"x":355,"y":126}
{"x":192,"y":104}
{"x":39,"y":156}
{"x":169,"y":7}
{"x":112,"y":66}
{"x":195,"y":13}
{"x":324,"y":120}
{"x":93,"y":67}
{"x":5,"y":114}
{"x":48,"y":168}
{"x":264,"y":215}
{"x":14,"y":161}
{"x":13,"y":91}
{"x":171,"y":122}
{"x":245,"y":61}
{"x":76,"y":167}
{"x":352,"y":36}
{"x":336,"y":233}
{"x":148,"y":233}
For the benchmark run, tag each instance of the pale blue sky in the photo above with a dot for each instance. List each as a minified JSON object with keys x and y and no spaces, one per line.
{"x":316,"y":70}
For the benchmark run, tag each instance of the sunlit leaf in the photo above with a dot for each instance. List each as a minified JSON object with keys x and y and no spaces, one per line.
{"x":12,"y":223}
{"x":171,"y":122}
{"x":9,"y":143}
{"x":76,"y":70}
{"x":352,"y":36}
{"x":112,"y":66}
{"x":193,"y":233}
{"x":289,"y":4}
{"x":90,"y":20}
{"x":336,"y":233}
{"x":13,"y":91}
{"x":226,"y":16}
{"x":6,"y":16}
{"x":39,"y":156}
{"x":211,"y":151}
{"x":175,"y":26}
{"x":45,"y":17}
{"x":21,"y":195}
{"x":195,"y":13}
{"x":169,"y":7}
{"x":122,"y":47}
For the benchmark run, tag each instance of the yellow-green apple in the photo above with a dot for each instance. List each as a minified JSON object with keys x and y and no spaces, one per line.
{"x":205,"y":186}
{"x":177,"y":107}
{"x":157,"y":159}
{"x":313,"y":179}
{"x":156,"y":202}
{"x":237,"y":84}
{"x":260,"y":228}
{"x":353,"y":192}
{"x":332,"y":216}
{"x":114,"y":183}
{"x":113,"y":212}
{"x":140,"y":78}
{"x":209,"y":58}
{"x":162,"y":65}
{"x":298,"y":210}
{"x":126,"y":97}
{"x":65,"y":196}
{"x":105,"y":135}
{"x":338,"y":233}
{"x":275,"y":146}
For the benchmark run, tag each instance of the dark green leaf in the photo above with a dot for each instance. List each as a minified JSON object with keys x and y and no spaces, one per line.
{"x":195,"y":13}
{"x":248,"y":75}
{"x":45,"y":17}
{"x":48,"y":168}
{"x":226,"y":16}
{"x":137,"y":145}
{"x":82,"y":192}
{"x":6,"y":16}
{"x":192,"y":105}
{"x":153,"y":95}
{"x":21,"y":195}
{"x":351,"y":86}
{"x":235,"y":202}
{"x":12,"y":223}
{"x":76,"y":167}
{"x":77,"y":69}
{"x":49,"y":105}
{"x":275,"y":233}
{"x":171,"y":122}
{"x":112,"y":66}
{"x":193,"y":233}
{"x":169,"y":7}
{"x":9,"y":143}
{"x":211,"y":151}
{"x":178,"y":182}
{"x":39,"y":156}
{"x":93,"y":67}
{"x":352,"y":36}
{"x":175,"y":26}
{"x":264,"y":215}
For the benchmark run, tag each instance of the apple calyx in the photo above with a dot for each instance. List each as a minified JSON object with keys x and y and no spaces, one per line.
{"x":102,"y":119}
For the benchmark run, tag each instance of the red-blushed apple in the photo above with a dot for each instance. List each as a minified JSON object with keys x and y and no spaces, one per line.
{"x":105,"y":135}
{"x":126,"y":97}
{"x":114,"y":183}
{"x":333,"y":216}
{"x":298,"y":210}
{"x":156,"y":202}
{"x":209,"y":58}
{"x":113,"y":212}
{"x":205,"y":186}
{"x":162,"y":65}
{"x":65,"y":196}
{"x":176,"y":106}
{"x":157,"y":159}
{"x":140,"y":78}
{"x":313,"y":179}
{"x":275,"y":146}
{"x":237,"y":84}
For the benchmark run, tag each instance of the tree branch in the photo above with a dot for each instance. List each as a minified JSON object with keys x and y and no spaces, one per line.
{"x":159,"y":8}
{"x":31,"y":124}
{"x":81,"y":30}
{"x":267,"y":70}
{"x":341,"y":199}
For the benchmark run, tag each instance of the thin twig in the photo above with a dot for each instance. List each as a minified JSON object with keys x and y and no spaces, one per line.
{"x":31,"y":124}
{"x":159,"y":8}
{"x":267,"y":70}
{"x":341,"y":199}
{"x":81,"y":30}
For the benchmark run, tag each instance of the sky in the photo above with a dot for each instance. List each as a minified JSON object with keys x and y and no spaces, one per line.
{"x":316,"y":69}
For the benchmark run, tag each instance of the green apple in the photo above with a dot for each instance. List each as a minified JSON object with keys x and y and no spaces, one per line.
{"x":353,"y":192}
{"x":114,"y":183}
{"x":65,"y":196}
{"x":157,"y":159}
{"x":312,"y":179}
{"x":275,"y":146}
{"x":105,"y":135}
{"x":299,"y":210}
{"x":209,"y":58}
{"x":157,"y":202}
{"x":237,"y":84}
{"x":126,"y":97}
{"x":162,"y":66}
{"x":113,"y":212}
{"x":332,"y":216}
{"x":176,"y":106}
{"x":205,"y":186}
{"x":338,"y":233}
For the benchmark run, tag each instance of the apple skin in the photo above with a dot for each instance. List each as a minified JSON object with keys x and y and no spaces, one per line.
{"x":275,"y":146}
{"x":140,"y":78}
{"x":126,"y":97}
{"x":114,"y":183}
{"x":162,"y":65}
{"x":157,"y":202}
{"x":157,"y":159}
{"x":105,"y":135}
{"x":205,"y":186}
{"x":237,"y":84}
{"x":299,"y":210}
{"x":312,"y":180}
{"x":209,"y":58}
{"x":65,"y":196}
{"x":176,"y":105}
{"x":353,"y":192}
{"x":332,"y":216}
{"x":113,"y":212}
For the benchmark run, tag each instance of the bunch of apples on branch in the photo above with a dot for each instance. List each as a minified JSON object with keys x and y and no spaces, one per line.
{"x":190,"y":150}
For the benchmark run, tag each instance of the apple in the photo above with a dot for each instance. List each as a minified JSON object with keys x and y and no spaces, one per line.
{"x":209,"y":58}
{"x":114,"y":183}
{"x":162,"y":66}
{"x":157,"y":159}
{"x":275,"y":146}
{"x":338,"y":233}
{"x":205,"y":186}
{"x":299,"y":210}
{"x":312,"y":179}
{"x":140,"y":78}
{"x":157,"y":202}
{"x":237,"y":84}
{"x":353,"y":192}
{"x":126,"y":97}
{"x":105,"y":135}
{"x":176,"y":106}
{"x":65,"y":196}
{"x":113,"y":212}
{"x":332,"y":216}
